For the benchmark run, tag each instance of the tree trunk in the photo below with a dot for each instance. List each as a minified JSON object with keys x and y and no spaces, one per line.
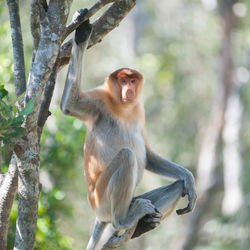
{"x":233,"y":197}
{"x":207,"y":160}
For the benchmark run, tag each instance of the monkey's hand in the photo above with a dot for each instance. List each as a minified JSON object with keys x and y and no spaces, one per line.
{"x":83,"y":32}
{"x":188,"y":189}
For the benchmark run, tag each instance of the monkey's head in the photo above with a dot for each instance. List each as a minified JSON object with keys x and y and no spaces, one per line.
{"x":125,"y":85}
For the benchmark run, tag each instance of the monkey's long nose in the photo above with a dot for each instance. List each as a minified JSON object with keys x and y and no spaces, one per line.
{"x":130,"y":93}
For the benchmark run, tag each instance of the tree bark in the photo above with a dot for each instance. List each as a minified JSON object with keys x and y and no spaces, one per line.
{"x":28,"y":159}
{"x":7,"y":194}
{"x":17,"y":42}
{"x":8,"y":182}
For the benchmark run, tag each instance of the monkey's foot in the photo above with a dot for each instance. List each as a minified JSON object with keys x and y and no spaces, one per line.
{"x":147,"y":223}
{"x":84,"y":30}
{"x":117,"y":240}
{"x":143,"y":207}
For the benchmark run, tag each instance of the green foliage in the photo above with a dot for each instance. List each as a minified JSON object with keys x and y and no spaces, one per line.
{"x":61,"y":146}
{"x":10,"y":120}
{"x":47,"y":236}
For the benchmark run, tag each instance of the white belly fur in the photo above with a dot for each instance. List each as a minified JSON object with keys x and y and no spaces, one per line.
{"x":115,"y":139}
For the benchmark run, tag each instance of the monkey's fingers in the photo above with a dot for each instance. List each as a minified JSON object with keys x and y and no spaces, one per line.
{"x":84,"y":30}
{"x":184,"y":210}
{"x":79,"y":15}
{"x":145,"y":224}
{"x":152,"y":219}
{"x":155,"y":217}
{"x":191,"y":203}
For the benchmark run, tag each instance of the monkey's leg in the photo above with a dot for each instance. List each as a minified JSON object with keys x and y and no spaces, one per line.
{"x":164,"y":199}
{"x":99,"y":226}
{"x":120,"y":178}
{"x":121,"y":187}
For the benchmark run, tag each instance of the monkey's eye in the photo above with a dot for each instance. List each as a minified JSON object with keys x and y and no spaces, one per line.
{"x":123,"y":81}
{"x":133,"y":81}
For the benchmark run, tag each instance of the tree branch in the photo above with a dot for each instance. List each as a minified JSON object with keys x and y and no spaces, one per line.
{"x":48,"y":93}
{"x":7,"y":194}
{"x":110,"y":20}
{"x":97,"y":6}
{"x":35,"y":23}
{"x":106,"y":23}
{"x":17,"y":43}
{"x":9,"y":181}
{"x":117,"y":240}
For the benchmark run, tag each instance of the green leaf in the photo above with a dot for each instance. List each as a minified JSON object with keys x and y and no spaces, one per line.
{"x":20,"y":97}
{"x":28,"y":108}
{"x":17,"y":121}
{"x":3,"y":92}
{"x":17,"y":133}
{"x":15,"y":110}
{"x":20,"y":132}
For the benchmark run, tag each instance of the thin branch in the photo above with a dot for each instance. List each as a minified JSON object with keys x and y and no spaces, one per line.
{"x":17,"y":43}
{"x":65,"y":54}
{"x":44,"y":112}
{"x":110,"y":20}
{"x":106,"y":23}
{"x":74,"y":24}
{"x":7,"y":195}
{"x":118,"y":240}
{"x":44,"y":4}
{"x":62,"y":60}
{"x":35,"y":23}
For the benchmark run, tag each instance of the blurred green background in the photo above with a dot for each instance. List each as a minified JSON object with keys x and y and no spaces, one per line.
{"x":177,"y":45}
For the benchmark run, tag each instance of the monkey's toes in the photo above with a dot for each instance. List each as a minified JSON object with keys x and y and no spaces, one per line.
{"x":147,"y":223}
{"x":153,"y":217}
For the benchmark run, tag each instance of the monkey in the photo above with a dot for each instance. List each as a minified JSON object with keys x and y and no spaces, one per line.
{"x":116,"y":149}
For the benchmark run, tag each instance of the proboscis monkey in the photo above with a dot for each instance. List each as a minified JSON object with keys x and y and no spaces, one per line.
{"x":116,"y":149}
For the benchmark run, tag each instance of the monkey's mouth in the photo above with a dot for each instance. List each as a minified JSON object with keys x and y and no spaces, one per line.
{"x":128,"y":100}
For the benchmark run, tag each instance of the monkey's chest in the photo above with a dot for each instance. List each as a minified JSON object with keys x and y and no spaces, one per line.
{"x":109,"y":139}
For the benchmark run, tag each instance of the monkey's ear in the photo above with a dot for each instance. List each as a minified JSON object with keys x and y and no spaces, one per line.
{"x":84,"y":30}
{"x":113,"y":76}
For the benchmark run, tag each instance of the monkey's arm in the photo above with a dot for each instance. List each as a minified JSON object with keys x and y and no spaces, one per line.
{"x":159,"y":165}
{"x":74,"y":101}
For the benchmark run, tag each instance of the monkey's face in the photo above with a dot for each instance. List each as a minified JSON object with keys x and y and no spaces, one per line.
{"x":128,"y":89}
{"x":126,"y":85}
